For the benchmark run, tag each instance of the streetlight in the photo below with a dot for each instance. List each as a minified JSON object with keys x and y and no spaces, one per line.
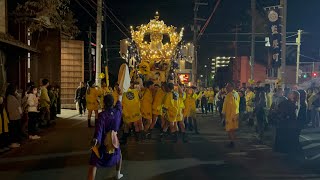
{"x":205,"y":66}
{"x":201,"y":75}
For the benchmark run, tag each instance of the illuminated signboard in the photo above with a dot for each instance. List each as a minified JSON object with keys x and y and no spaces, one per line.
{"x":184,"y":77}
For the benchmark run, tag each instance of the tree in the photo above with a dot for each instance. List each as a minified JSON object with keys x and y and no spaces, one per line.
{"x":40,"y":15}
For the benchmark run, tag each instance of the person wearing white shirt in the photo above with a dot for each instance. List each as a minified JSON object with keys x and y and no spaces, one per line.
{"x":33,"y":113}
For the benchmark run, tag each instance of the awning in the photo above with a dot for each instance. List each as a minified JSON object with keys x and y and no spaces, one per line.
{"x":7,"y":39}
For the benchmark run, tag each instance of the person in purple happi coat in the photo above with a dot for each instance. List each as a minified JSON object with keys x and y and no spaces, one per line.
{"x":106,"y":150}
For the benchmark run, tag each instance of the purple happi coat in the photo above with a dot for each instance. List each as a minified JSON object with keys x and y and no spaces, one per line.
{"x":108,"y":120}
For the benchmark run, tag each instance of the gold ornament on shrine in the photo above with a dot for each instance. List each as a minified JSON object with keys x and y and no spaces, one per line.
{"x":149,"y":39}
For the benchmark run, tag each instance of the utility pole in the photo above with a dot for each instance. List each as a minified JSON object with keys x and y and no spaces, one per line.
{"x":298,"y":55}
{"x":281,"y":74}
{"x":253,"y":38}
{"x":105,"y":34}
{"x":236,"y":61}
{"x":98,"y":38}
{"x":195,"y":36}
{"x":90,"y":55}
{"x":195,"y":29}
{"x":237,"y":29}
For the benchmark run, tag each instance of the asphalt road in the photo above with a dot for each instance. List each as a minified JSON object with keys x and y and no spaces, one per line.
{"x":63,"y":152}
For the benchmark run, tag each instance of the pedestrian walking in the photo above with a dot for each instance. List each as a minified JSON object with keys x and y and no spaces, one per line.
{"x":230,"y":112}
{"x":80,"y":98}
{"x":106,"y":148}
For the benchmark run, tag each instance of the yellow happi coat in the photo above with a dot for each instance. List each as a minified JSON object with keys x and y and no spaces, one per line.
{"x":172,"y":105}
{"x":146,"y":104}
{"x":158,"y":102}
{"x":182,"y":98}
{"x":210,"y":96}
{"x":92,"y":98}
{"x":4,"y":122}
{"x":249,"y":101}
{"x":231,"y":110}
{"x":190,"y":104}
{"x":131,"y":106}
{"x":104,"y":92}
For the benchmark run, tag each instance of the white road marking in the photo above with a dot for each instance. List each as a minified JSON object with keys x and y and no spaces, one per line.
{"x":309,"y":146}
{"x":305,"y":137}
{"x":314,"y":157}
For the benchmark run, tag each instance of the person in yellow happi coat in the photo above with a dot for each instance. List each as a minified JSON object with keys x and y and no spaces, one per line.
{"x":171,"y":107}
{"x":250,"y":96}
{"x":180,"y":118}
{"x":160,"y":93}
{"x":146,"y":106}
{"x":92,"y":98}
{"x":210,"y":95}
{"x":104,"y":91}
{"x":4,"y":120}
{"x":189,"y":112}
{"x":230,"y":112}
{"x":131,"y":112}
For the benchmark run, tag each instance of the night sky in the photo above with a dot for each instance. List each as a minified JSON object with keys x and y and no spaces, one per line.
{"x":301,"y":14}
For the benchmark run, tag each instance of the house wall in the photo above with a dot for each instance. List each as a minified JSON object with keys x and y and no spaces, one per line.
{"x":3,"y":16}
{"x":72,"y":70}
{"x":48,"y":63}
{"x":243,"y":73}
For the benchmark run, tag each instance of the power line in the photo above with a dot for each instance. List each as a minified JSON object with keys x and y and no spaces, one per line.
{"x":112,"y":15}
{"x":206,"y":24}
{"x":309,"y":57}
{"x":117,"y":19}
{"x":107,"y":16}
{"x":85,"y":9}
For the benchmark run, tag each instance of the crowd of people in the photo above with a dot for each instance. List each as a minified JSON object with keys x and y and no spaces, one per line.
{"x":171,"y":107}
{"x":24,"y":112}
{"x":287,"y":111}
